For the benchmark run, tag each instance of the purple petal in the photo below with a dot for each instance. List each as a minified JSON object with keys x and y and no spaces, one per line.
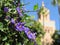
{"x":20,"y":27}
{"x":30,"y":35}
{"x":23,"y":22}
{"x":18,"y":24}
{"x":12,"y":21}
{"x":19,"y":11}
{"x":20,"y":14}
{"x":5,"y":9}
{"x":26,"y":29}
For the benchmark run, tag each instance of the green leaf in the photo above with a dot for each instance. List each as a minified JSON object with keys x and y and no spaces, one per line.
{"x":25,"y":41}
{"x":38,"y":41}
{"x":18,"y":44}
{"x":5,"y":38}
{"x":30,"y":43}
{"x":7,"y":43}
{"x":36,"y":7}
{"x":6,"y":20}
{"x":1,"y":25}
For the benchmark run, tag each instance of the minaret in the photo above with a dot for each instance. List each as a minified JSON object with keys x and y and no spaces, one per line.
{"x":43,"y":4}
{"x":48,"y":25}
{"x":44,"y":12}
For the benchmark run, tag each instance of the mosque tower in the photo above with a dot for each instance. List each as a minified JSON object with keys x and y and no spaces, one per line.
{"x":48,"y":25}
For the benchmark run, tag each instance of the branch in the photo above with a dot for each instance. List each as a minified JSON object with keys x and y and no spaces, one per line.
{"x":32,"y":11}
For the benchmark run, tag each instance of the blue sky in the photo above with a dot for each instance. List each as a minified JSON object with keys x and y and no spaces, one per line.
{"x":54,"y":15}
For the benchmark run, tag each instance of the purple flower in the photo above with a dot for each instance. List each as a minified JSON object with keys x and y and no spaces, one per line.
{"x":20,"y":14}
{"x":26,"y":30}
{"x":20,"y":26}
{"x":5,"y":9}
{"x":12,"y":21}
{"x":30,"y":35}
{"x":23,"y":23}
{"x":19,"y":11}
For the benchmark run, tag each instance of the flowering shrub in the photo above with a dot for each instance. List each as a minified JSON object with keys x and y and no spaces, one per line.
{"x":16,"y":27}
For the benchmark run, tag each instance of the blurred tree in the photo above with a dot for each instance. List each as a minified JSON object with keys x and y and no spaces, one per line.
{"x":56,"y":38}
{"x":56,"y":2}
{"x":16,"y":27}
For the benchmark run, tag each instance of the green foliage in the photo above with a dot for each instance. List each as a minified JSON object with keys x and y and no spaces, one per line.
{"x":41,"y":11}
{"x":8,"y":35}
{"x":30,"y":43}
{"x":36,"y":7}
{"x":56,"y":34}
{"x":1,"y":26}
{"x":54,"y":2}
{"x":58,"y":2}
{"x":56,"y":38}
{"x":39,"y":41}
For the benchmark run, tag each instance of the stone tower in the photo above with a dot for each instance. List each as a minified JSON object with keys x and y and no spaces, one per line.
{"x":48,"y":25}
